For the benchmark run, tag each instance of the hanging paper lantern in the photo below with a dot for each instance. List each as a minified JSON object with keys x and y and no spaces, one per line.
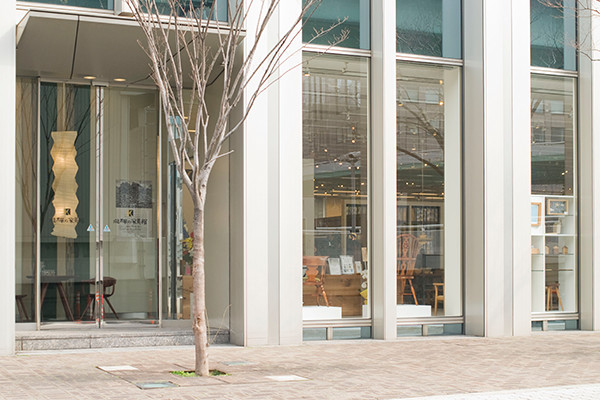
{"x":65,"y":186}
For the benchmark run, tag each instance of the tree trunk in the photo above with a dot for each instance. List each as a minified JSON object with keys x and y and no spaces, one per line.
{"x":199,"y":323}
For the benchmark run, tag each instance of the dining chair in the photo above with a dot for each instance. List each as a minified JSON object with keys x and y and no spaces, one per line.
{"x":315,"y":275}
{"x":408,"y":248}
{"x":109,"y":284}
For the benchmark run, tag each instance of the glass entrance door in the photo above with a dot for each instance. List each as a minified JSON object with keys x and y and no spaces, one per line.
{"x":98,"y":247}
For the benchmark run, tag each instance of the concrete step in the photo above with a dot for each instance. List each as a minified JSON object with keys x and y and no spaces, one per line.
{"x":63,"y":339}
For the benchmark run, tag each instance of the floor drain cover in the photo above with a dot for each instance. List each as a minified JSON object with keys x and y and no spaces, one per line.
{"x":155,"y":385}
{"x":287,"y":378}
{"x":233,"y":363}
{"x":111,"y":368}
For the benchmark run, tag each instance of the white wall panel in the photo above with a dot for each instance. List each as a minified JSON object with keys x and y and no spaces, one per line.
{"x":383,"y":150}
{"x":7,"y":174}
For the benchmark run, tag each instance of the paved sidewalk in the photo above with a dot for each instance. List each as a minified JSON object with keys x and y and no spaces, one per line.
{"x":406,"y":368}
{"x":581,"y":392}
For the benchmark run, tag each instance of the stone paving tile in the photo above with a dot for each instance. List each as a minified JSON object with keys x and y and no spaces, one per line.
{"x":582,"y":392}
{"x":336,"y":370}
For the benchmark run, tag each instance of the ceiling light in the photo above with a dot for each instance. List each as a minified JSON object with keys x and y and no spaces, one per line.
{"x":90,"y":77}
{"x":120,"y":79}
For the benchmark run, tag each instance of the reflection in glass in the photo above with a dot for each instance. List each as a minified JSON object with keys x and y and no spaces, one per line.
{"x":553,"y":187}
{"x":335,"y":189}
{"x":70,"y":151}
{"x":67,"y":261}
{"x":552,"y":135}
{"x":101,"y":4}
{"x":428,"y":191}
{"x":178,"y":224}
{"x":130,"y":253}
{"x":429,"y":27}
{"x":553,"y":34}
{"x":26,"y":216}
{"x":355,"y":15}
{"x":219,"y":12}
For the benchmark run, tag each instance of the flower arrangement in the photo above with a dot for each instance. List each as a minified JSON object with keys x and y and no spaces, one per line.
{"x":188,"y":249}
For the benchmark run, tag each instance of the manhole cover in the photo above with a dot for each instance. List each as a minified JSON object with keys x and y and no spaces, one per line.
{"x":155,"y":385}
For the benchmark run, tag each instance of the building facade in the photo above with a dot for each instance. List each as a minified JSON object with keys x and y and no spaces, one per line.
{"x":381,"y":189}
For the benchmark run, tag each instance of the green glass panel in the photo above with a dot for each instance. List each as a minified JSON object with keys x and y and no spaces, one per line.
{"x":102,"y":4}
{"x":429,"y":27}
{"x":553,"y":34}
{"x":215,"y":9}
{"x":354,"y":16}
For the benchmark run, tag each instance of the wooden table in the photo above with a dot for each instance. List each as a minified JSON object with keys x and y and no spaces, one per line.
{"x":57,"y":280}
{"x":342,"y":291}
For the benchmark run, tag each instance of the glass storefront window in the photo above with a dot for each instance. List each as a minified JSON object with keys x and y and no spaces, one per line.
{"x":553,"y":194}
{"x":329,"y":12}
{"x":97,"y":203}
{"x":67,"y":183}
{"x":219,"y":12}
{"x":429,"y":27}
{"x":553,"y":34}
{"x":428,"y":190}
{"x":101,"y":4}
{"x":26,"y":216}
{"x":178,"y":224}
{"x":335,"y":187}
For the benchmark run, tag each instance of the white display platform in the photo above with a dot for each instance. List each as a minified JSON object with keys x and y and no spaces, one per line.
{"x":412,"y":311}
{"x":404,"y":311}
{"x":321,"y":312}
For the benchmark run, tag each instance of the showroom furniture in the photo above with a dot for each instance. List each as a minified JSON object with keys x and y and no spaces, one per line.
{"x":553,"y":253}
{"x":21,"y":307}
{"x":109,"y":284}
{"x":438,"y":296}
{"x":408,"y":248}
{"x":551,"y":290}
{"x":315,"y":275}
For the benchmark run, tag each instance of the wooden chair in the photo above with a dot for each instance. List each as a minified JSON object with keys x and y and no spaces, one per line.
{"x":408,"y":248}
{"x":551,"y":290}
{"x":315,"y":275}
{"x":109,"y":284}
{"x":438,"y":296}
{"x":21,"y":307}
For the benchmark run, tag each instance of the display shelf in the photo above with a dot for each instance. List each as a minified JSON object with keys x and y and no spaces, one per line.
{"x":553,"y":261}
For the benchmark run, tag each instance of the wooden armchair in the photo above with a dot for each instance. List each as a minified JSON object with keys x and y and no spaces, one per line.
{"x":408,"y":248}
{"x":315,"y":275}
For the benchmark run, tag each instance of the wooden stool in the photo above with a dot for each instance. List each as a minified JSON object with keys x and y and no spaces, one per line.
{"x":551,"y":290}
{"x":21,"y":307}
{"x":438,"y":296}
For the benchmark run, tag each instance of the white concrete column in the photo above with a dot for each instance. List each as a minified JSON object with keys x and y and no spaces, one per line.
{"x":383,"y":173}
{"x":452,"y":192}
{"x":266,"y":278}
{"x":7,"y":175}
{"x":497,"y":168}
{"x":289,"y":133}
{"x":520,"y":109}
{"x":589,"y":168}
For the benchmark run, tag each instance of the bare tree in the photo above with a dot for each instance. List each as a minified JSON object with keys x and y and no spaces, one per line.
{"x":189,"y":50}
{"x":582,"y":9}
